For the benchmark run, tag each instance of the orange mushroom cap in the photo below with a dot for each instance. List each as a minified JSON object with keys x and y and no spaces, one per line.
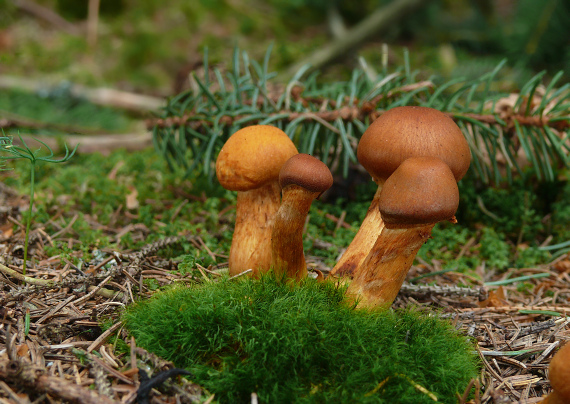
{"x":252,"y":157}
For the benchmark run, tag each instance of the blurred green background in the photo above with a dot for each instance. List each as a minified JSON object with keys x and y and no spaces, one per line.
{"x":151,"y":46}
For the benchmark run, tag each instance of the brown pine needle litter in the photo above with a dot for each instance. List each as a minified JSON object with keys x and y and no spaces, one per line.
{"x":50,"y":327}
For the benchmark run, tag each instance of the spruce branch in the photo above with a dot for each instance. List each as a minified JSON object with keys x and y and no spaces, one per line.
{"x":507,"y":132}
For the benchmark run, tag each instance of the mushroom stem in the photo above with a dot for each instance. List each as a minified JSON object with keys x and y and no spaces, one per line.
{"x":388,"y":263}
{"x":287,"y":256}
{"x":363,"y":241}
{"x":420,"y":193}
{"x":249,"y":160}
{"x":251,"y":243}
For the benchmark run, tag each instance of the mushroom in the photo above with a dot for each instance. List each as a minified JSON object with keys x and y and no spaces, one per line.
{"x":303,"y":178}
{"x":398,"y":134}
{"x":249,"y":163}
{"x":419,"y":194}
{"x":559,"y":376}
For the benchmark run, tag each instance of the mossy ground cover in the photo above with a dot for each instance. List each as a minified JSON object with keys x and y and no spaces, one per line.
{"x":95,"y":188}
{"x":302,"y":343}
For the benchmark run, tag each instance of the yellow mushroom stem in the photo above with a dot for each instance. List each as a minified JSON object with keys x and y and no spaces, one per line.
{"x":251,"y":243}
{"x":363,"y":241}
{"x":387,"y":265}
{"x":287,"y":256}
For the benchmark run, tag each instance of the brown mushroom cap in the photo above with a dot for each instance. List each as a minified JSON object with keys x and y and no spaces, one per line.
{"x":559,"y":372}
{"x":405,"y":132}
{"x":252,"y":157}
{"x":422,"y":190}
{"x":306,"y":171}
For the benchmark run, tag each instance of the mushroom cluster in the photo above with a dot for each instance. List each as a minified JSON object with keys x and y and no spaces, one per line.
{"x":249,"y":163}
{"x":398,"y":134}
{"x":260,"y":162}
{"x":415,"y":155}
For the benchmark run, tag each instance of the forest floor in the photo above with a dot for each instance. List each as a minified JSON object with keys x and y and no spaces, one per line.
{"x":62,"y":338}
{"x":99,"y":244}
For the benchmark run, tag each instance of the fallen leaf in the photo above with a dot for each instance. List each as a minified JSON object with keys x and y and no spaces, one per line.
{"x":22,"y":350}
{"x":131,"y":200}
{"x":496,"y":298}
{"x":562,"y":266}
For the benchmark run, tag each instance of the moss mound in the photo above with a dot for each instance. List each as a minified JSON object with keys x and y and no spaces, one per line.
{"x":301,"y":344}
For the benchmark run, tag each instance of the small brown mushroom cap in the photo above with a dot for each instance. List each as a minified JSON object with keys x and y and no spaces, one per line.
{"x":252,"y":157}
{"x":307,"y":172}
{"x":559,"y":376}
{"x":422,"y":190}
{"x":405,"y":132}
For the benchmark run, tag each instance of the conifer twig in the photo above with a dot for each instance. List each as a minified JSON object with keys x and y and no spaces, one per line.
{"x":408,"y":288}
{"x":327,"y":119}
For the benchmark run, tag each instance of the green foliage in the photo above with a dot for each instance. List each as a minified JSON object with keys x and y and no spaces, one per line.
{"x":531,"y":257}
{"x":444,"y":244}
{"x":533,"y":34}
{"x":524,"y":215}
{"x":5,"y":141}
{"x":491,"y":247}
{"x":58,"y":111}
{"x":151,"y":284}
{"x":8,"y":14}
{"x":327,"y":119}
{"x":561,"y":211}
{"x":301,"y":344}
{"x":186,"y":264}
{"x":494,"y":249}
{"x":525,"y":287}
{"x":517,"y":211}
{"x":9,"y":151}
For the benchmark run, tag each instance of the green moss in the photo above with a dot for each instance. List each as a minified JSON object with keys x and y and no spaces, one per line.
{"x":515,"y":211}
{"x":494,"y":249}
{"x":531,"y":256}
{"x":59,"y":107}
{"x":301,"y":344}
{"x":82,"y":191}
